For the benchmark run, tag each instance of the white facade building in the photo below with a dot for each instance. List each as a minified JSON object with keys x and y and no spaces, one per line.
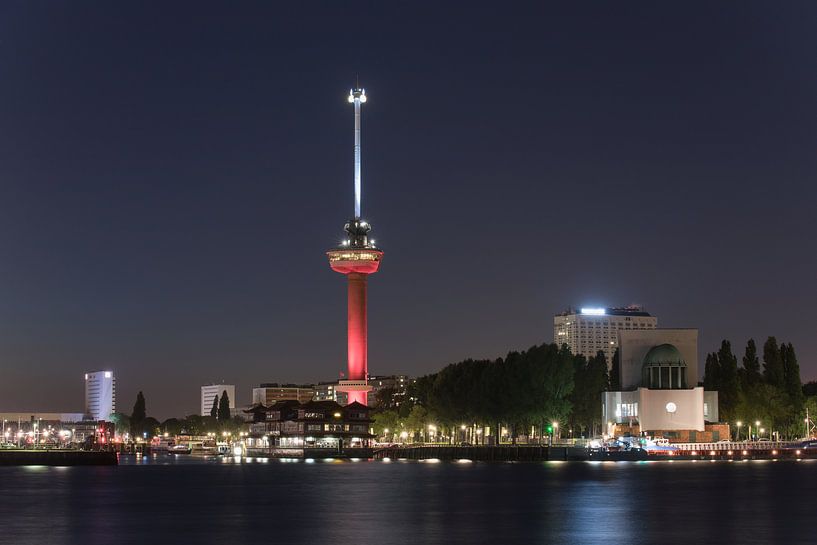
{"x":589,"y":330}
{"x":215,"y":390}
{"x":659,"y":380}
{"x":100,"y":395}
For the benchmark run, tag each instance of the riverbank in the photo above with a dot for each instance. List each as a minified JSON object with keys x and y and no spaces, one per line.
{"x":57,"y":458}
{"x":502,"y":453}
{"x":537,"y":453}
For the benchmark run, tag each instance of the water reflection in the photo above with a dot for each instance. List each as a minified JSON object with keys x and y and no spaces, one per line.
{"x":168,"y":499}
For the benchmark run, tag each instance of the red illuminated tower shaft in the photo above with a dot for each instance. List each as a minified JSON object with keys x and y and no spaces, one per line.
{"x":357,"y":258}
{"x":357,"y":334}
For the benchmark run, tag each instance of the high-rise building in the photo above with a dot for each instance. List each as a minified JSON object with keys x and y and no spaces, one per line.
{"x":589,"y":330}
{"x":357,"y":258}
{"x":211,"y":391}
{"x":100,"y":395}
{"x":269,"y":393}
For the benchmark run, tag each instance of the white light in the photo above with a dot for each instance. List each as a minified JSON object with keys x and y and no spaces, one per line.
{"x":351,"y":96}
{"x":362,"y":98}
{"x":108,"y":374}
{"x":593,"y":311}
{"x":237,"y":451}
{"x":671,"y":407}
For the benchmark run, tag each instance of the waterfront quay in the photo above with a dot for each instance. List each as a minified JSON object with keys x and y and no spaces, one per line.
{"x":536,"y":453}
{"x":499,"y":453}
{"x":57,"y":457}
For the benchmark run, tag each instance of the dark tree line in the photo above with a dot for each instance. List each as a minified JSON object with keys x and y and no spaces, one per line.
{"x":773,"y":395}
{"x":523,"y":391}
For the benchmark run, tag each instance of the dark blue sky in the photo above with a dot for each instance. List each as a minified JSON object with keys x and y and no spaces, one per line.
{"x":170,"y":178}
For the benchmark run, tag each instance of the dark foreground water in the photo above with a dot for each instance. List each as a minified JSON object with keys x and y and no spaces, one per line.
{"x":189,"y":501}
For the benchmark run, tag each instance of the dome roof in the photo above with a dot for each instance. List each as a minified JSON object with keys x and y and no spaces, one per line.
{"x":664,"y":354}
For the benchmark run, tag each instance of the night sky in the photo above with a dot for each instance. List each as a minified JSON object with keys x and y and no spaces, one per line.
{"x":170,"y":178}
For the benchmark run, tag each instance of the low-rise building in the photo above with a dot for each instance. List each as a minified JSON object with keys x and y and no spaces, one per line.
{"x":394,"y":387}
{"x":328,"y":391}
{"x":323,"y":425}
{"x":34,"y":428}
{"x":272,"y":392}
{"x":660,"y":395}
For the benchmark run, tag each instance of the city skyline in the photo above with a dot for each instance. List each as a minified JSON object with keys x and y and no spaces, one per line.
{"x":167,"y":196}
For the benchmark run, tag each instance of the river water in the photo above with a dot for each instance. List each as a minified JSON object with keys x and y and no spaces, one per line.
{"x":184,"y":500}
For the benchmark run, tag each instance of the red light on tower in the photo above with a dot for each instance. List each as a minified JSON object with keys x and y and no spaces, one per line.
{"x":357,"y":258}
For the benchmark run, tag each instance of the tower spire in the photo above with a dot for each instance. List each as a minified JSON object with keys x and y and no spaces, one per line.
{"x":357,"y":96}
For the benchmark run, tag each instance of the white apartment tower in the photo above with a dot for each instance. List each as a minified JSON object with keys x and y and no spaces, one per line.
{"x":589,"y":330}
{"x":100,"y":394}
{"x":212,"y":390}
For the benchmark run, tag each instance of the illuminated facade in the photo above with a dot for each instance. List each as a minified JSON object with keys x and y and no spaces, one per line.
{"x":357,"y":258}
{"x":660,"y":393}
{"x":100,"y":395}
{"x":328,"y":391}
{"x":395,"y":386}
{"x":269,"y":393}
{"x":323,"y":425}
{"x":590,"y":330}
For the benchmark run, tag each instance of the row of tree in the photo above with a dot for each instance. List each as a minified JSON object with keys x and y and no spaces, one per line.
{"x":521,"y":392}
{"x":772,"y":395}
{"x":138,"y":424}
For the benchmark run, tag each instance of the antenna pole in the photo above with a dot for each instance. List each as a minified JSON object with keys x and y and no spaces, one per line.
{"x":357,"y":96}
{"x":357,"y":157}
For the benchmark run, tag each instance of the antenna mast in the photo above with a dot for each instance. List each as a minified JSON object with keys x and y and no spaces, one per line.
{"x":357,"y":96}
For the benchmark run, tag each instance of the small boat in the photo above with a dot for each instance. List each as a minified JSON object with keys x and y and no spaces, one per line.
{"x":179,"y":449}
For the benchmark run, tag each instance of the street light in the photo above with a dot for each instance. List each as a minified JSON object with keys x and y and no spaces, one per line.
{"x":739,"y":424}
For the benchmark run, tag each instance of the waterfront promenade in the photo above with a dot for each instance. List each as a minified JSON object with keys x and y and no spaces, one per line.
{"x":534,"y":453}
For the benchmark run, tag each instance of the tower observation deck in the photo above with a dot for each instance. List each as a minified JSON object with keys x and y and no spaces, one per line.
{"x":357,"y":258}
